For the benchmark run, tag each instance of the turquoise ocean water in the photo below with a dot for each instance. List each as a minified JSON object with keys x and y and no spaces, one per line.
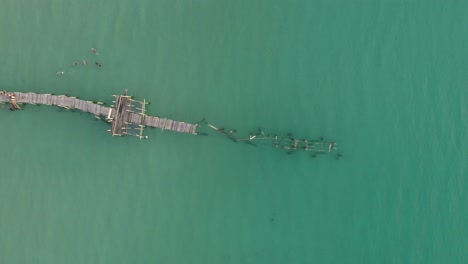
{"x":387,"y":80}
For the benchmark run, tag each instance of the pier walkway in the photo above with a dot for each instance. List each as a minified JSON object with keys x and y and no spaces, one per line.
{"x":126,"y":115}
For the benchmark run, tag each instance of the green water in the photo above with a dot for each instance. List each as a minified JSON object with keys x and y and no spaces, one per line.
{"x":387,"y":80}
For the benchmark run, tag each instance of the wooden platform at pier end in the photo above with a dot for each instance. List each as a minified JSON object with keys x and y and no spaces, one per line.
{"x":121,"y":116}
{"x":125,"y":115}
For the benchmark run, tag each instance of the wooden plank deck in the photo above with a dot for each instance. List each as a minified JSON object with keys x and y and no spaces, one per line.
{"x":121,"y":118}
{"x":120,"y":114}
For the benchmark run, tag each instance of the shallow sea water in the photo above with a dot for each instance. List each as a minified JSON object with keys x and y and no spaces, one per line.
{"x":385,"y":79}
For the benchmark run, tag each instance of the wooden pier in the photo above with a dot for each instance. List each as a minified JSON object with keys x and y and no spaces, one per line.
{"x":126,"y":115}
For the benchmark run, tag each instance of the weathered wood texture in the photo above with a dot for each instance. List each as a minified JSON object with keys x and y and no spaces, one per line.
{"x":120,"y":115}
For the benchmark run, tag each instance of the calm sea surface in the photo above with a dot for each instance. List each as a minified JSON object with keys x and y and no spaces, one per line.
{"x":387,"y":80}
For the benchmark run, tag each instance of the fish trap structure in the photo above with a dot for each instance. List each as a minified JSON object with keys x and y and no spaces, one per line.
{"x":287,"y":143}
{"x":292,"y":143}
